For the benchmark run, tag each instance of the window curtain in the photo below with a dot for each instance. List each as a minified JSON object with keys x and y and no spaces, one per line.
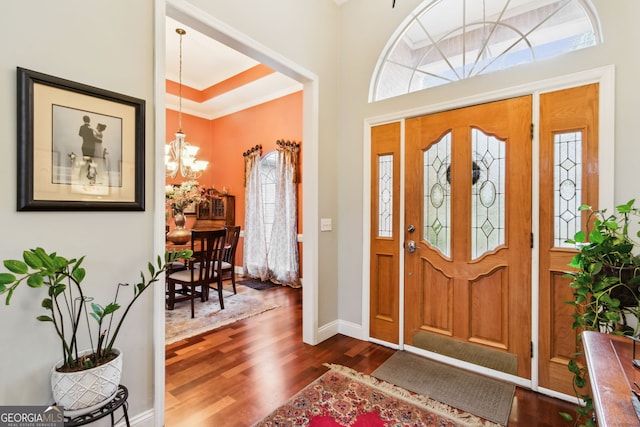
{"x":255,"y":245}
{"x":283,"y":247}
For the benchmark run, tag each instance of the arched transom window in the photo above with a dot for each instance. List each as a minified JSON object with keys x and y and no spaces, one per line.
{"x":443,"y":41}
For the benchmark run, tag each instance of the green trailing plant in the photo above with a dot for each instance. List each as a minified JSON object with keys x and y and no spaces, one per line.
{"x":68,"y":307}
{"x":605,"y":283}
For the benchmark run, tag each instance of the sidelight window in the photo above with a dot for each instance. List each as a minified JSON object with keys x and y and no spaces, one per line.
{"x":385,"y":195}
{"x":567,"y":188}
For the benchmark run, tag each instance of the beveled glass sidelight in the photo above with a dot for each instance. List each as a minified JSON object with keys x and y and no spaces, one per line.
{"x":385,"y":195}
{"x":487,"y":193}
{"x":567,"y":187}
{"x":437,"y":195}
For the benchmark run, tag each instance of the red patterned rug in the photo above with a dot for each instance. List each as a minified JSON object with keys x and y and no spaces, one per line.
{"x":344,"y":397}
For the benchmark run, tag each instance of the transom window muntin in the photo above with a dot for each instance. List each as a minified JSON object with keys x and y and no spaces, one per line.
{"x":448,"y":40}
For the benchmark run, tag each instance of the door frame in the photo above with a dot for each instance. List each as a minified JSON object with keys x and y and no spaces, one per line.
{"x":605,"y":76}
{"x":207,"y":24}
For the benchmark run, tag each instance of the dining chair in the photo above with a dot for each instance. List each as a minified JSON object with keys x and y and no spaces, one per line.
{"x":229,"y":257}
{"x":202,"y":270}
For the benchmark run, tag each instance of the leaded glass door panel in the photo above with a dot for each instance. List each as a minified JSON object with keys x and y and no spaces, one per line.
{"x":468,"y":195}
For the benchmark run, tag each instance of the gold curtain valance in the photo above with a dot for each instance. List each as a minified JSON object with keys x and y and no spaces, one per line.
{"x":290,"y":150}
{"x":251,"y":158}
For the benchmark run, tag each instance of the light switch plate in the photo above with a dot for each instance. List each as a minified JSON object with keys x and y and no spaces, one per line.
{"x":325,"y":224}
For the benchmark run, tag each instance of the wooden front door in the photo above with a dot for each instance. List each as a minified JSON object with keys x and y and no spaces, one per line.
{"x":468,"y":210}
{"x":568,"y":179}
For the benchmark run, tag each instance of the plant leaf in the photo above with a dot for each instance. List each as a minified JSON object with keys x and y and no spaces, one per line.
{"x":596,"y":237}
{"x":16,"y":266}
{"x":35,"y":280}
{"x":110,"y":308}
{"x":47,"y":261}
{"x":78,"y":274}
{"x":626,"y":208}
{"x":6,"y":278}
{"x":32,"y":260}
{"x":97,"y":309}
{"x":566,"y":416}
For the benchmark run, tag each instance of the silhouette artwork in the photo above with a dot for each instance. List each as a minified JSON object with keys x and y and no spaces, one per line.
{"x":89,"y":138}
{"x":93,"y":152}
{"x":98,"y":139}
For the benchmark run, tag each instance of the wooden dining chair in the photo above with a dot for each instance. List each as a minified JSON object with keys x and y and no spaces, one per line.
{"x":229,"y":258}
{"x":202,"y":270}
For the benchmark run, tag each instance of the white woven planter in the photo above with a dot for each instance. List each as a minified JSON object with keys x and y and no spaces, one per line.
{"x":83,"y":391}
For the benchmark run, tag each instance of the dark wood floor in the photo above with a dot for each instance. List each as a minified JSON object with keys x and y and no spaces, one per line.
{"x":238,"y":374}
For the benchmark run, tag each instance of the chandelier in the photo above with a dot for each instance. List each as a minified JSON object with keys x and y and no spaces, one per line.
{"x":179,"y":155}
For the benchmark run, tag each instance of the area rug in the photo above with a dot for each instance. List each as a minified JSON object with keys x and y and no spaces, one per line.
{"x":208,"y":316}
{"x":479,"y":395}
{"x":344,"y":397}
{"x":257,"y":284}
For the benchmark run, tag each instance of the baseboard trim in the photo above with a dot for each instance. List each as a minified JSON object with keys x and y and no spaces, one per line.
{"x":343,"y":327}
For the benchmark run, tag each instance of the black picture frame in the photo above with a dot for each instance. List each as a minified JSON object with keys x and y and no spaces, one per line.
{"x":80,"y":148}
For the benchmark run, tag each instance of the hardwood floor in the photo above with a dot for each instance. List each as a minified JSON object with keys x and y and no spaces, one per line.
{"x":238,"y":374}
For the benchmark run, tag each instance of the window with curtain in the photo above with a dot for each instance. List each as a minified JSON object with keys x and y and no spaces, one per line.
{"x":271,"y":229}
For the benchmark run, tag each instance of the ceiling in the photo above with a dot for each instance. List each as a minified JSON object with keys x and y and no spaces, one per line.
{"x":210,"y":67}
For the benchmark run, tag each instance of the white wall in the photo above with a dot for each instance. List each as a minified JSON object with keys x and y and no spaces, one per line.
{"x":109,"y":45}
{"x":366,"y":28}
{"x":306,"y":33}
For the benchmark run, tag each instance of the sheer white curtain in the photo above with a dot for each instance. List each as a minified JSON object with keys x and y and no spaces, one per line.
{"x":272,"y":255}
{"x":283,"y":246}
{"x":255,"y":244}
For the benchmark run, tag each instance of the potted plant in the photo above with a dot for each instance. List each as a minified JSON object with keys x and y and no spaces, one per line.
{"x":67,"y":307}
{"x":177,"y":198}
{"x":605,"y":282}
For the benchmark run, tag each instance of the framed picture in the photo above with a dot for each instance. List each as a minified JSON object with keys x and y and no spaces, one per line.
{"x":79,"y":147}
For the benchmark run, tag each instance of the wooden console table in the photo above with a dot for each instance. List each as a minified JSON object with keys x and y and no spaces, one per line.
{"x":612,"y":376}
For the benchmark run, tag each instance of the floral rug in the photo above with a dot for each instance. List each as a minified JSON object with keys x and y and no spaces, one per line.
{"x":208,"y":316}
{"x":344,"y":397}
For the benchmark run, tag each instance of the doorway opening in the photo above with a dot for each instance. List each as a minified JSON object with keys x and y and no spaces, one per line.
{"x":220,"y":31}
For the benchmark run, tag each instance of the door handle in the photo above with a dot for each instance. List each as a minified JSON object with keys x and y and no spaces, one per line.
{"x":411,"y":246}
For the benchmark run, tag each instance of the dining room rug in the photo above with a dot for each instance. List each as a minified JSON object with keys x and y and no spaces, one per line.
{"x":485,"y":397}
{"x":208,"y":315}
{"x":256,"y":284}
{"x":344,"y":397}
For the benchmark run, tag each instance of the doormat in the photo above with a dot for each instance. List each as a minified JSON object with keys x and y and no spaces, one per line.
{"x":485,"y":397}
{"x":257,"y":284}
{"x":344,"y":397}
{"x":472,"y":353}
